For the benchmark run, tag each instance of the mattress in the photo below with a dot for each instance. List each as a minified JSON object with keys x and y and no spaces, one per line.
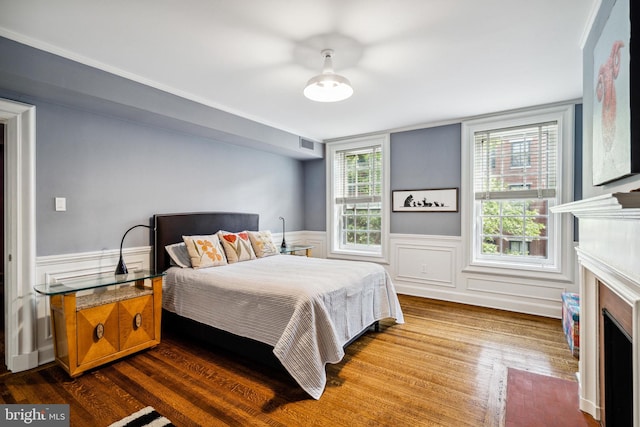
{"x":306,"y":308}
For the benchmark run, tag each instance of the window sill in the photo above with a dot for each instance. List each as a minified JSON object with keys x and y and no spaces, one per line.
{"x":358,"y":256}
{"x":505,"y":269}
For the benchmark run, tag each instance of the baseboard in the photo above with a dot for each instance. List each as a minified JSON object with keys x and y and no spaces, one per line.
{"x":23,"y":362}
{"x":46,"y":354}
{"x":590,"y":408}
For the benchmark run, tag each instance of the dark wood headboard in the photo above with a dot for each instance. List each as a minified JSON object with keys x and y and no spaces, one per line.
{"x":169,"y":229}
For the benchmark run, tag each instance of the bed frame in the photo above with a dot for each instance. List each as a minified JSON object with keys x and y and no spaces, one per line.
{"x":169,"y":229}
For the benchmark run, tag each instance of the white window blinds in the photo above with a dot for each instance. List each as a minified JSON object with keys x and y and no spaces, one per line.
{"x":516,"y":163}
{"x":359,"y":173}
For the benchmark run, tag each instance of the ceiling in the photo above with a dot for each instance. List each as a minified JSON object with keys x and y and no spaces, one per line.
{"x":411,"y":62}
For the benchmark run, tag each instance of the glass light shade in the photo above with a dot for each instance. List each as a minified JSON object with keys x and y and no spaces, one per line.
{"x":328,"y":87}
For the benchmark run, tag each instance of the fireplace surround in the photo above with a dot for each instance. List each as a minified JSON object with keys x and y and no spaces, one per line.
{"x":615,"y":328}
{"x":609,"y":273}
{"x":616,"y":373}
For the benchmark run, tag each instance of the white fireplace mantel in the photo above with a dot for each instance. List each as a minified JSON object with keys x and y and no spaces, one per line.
{"x":613,"y":205}
{"x":609,"y":252}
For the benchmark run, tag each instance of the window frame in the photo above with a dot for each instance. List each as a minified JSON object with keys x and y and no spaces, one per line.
{"x":334,"y":249}
{"x":560,"y":226}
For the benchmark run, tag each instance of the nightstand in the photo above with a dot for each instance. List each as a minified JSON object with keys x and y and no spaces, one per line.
{"x":99,"y":319}
{"x":291,"y":250}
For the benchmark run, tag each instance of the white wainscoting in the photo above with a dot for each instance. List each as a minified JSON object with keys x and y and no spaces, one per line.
{"x":417,"y":262}
{"x":49,"y":269}
{"x":426,"y":266}
{"x":431,"y":267}
{"x":317,"y":239}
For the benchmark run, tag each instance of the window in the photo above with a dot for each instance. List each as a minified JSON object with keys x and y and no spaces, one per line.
{"x":520,"y":156}
{"x":513,"y":205}
{"x":359,"y":196}
{"x":515,"y":178}
{"x":358,"y":183}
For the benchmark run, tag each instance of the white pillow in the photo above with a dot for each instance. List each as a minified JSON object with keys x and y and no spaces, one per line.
{"x":205,"y":251}
{"x":179,"y":255}
{"x":262,"y":243}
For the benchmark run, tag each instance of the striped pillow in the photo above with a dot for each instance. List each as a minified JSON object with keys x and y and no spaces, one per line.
{"x":179,"y":255}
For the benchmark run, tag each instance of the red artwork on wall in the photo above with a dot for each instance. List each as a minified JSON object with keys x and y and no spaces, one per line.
{"x":615,"y":124}
{"x":606,"y":93}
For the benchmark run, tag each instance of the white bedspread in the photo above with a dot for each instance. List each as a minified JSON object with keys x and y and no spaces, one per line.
{"x":306,"y":308}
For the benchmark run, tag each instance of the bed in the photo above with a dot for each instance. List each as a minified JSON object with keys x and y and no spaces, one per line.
{"x":305,"y":310}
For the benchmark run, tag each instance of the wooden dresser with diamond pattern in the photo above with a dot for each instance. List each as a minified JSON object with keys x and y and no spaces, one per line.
{"x":98,"y":323}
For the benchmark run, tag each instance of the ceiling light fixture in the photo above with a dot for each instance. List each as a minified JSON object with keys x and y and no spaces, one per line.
{"x":328,"y":86}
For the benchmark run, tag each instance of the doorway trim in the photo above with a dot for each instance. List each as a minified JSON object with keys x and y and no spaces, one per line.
{"x":20,"y":234}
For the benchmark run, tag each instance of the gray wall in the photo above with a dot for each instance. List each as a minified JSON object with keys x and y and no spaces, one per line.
{"x":420,"y":159}
{"x":577,"y":153}
{"x":315,"y":190}
{"x":425,"y":159}
{"x":115,"y":174}
{"x":120,"y":151}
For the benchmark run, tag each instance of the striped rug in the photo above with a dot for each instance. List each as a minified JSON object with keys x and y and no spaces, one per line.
{"x":144,"y":417}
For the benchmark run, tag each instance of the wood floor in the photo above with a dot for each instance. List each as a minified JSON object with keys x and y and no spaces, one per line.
{"x":446,"y":366}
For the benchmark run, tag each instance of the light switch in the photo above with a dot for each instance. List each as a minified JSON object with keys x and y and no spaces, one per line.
{"x":61,"y":204}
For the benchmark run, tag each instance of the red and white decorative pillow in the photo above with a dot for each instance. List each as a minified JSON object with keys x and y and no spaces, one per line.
{"x":237,"y":246}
